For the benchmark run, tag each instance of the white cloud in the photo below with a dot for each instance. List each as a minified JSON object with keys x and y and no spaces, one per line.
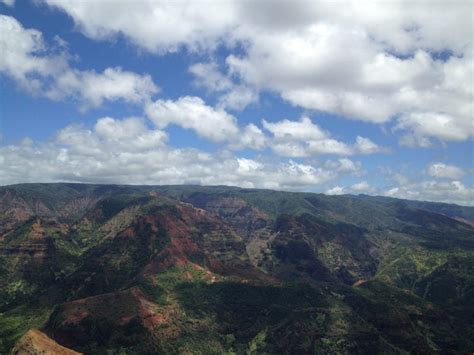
{"x":366,"y":146}
{"x":336,"y":190}
{"x":453,"y":191}
{"x":444,"y":186}
{"x":362,"y":186}
{"x":447,"y":186}
{"x":231,"y":96}
{"x":359,"y":188}
{"x":28,"y":60}
{"x":23,"y":55}
{"x":440,"y":191}
{"x":372,"y":61}
{"x":434,"y":124}
{"x":207,"y":75}
{"x":111,"y":135}
{"x":251,"y":137}
{"x":413,"y":140}
{"x":339,"y":66}
{"x":329,"y":146}
{"x":399,"y":27}
{"x":444,"y":171}
{"x":303,"y":129}
{"x":92,"y":89}
{"x":192,"y":113}
{"x":317,"y":67}
{"x":304,"y":138}
{"x":8,"y":2}
{"x":127,"y":151}
{"x":289,"y":138}
{"x":161,"y":26}
{"x":157,"y":26}
{"x":332,"y":68}
{"x":214,"y":124}
{"x":238,"y":97}
{"x":353,"y":105}
{"x":344,"y":166}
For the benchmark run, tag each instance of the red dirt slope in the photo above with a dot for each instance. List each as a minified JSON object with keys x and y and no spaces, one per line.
{"x":35,"y":342}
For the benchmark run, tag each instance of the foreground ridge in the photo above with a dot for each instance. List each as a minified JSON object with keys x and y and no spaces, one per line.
{"x":35,"y":342}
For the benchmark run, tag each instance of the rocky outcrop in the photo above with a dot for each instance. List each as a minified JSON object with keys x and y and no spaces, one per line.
{"x":35,"y":342}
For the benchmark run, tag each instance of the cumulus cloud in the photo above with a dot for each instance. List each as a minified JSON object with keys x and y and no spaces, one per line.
{"x":162,"y":26}
{"x":304,"y":138}
{"x":27,"y":59}
{"x":333,"y":69}
{"x":131,"y":133}
{"x":374,"y":61}
{"x":336,"y":190}
{"x":92,"y":88}
{"x":444,"y":184}
{"x":231,"y":95}
{"x":344,"y":166}
{"x":434,"y":124}
{"x":317,"y":67}
{"x":304,"y":129}
{"x":250,"y":137}
{"x":157,"y":26}
{"x":238,"y":97}
{"x":444,"y":171}
{"x":447,"y":191}
{"x":127,"y":151}
{"x":208,"y":75}
{"x":288,"y":138}
{"x":23,"y":55}
{"x":362,"y":187}
{"x":214,"y":124}
{"x":191,"y":112}
{"x":454,"y":191}
{"x":366,"y":146}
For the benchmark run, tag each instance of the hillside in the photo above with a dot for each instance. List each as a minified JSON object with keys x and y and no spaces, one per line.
{"x":215,"y":270}
{"x":35,"y":342}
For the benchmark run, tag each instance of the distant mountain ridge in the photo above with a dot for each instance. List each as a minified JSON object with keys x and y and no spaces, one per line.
{"x":72,"y":190}
{"x":448,"y":209}
{"x":197,"y":269}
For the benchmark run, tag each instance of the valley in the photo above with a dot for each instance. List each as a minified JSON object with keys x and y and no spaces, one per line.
{"x":220,"y":270}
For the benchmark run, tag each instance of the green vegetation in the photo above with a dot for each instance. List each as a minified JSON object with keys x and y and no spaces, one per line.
{"x":16,"y":322}
{"x":219,"y":270}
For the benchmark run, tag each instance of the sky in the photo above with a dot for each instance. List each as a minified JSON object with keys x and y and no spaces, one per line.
{"x":340,"y":97}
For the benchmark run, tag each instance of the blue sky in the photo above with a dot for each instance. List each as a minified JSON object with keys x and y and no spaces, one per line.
{"x":354,"y":97}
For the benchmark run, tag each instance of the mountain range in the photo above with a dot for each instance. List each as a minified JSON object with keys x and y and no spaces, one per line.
{"x":118,"y":269}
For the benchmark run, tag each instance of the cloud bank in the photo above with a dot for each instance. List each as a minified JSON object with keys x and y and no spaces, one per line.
{"x":374,"y":61}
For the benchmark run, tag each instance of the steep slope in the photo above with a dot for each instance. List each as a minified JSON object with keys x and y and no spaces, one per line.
{"x":33,"y":256}
{"x":176,"y":269}
{"x":35,"y":342}
{"x":461,"y":213}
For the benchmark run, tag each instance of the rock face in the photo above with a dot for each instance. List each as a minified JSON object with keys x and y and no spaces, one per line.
{"x":185,"y":269}
{"x":35,"y":342}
